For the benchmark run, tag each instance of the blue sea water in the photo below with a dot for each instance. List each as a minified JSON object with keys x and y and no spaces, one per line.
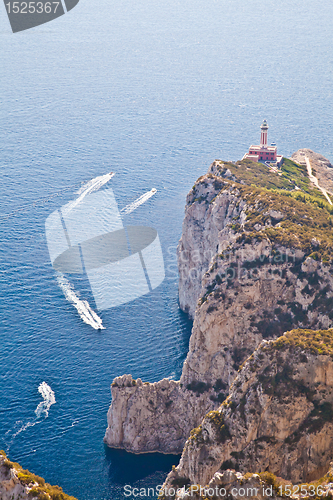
{"x":153,"y":91}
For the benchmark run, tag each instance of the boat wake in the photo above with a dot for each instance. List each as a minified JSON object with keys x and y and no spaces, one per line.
{"x":42,"y":412}
{"x":88,"y":188}
{"x":48,"y":400}
{"x":95,"y":184}
{"x":86,"y":313}
{"x":133,"y":206}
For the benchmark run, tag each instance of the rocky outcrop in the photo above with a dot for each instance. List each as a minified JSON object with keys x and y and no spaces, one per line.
{"x":146,"y":417}
{"x":254,"y":261}
{"x":321,"y":167}
{"x":278,"y":416}
{"x":19,"y":484}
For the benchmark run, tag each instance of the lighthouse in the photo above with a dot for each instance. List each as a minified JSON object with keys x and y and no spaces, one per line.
{"x":264,"y":153}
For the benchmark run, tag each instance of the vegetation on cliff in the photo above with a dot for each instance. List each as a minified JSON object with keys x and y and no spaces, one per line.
{"x":292,"y":177}
{"x":317,"y":342}
{"x":304,"y":218}
{"x":37,"y":488}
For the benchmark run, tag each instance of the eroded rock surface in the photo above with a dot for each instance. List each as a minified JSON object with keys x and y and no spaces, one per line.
{"x":147,"y":417}
{"x":278,"y":416}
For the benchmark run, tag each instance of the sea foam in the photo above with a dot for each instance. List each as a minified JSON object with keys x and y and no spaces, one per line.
{"x":48,"y":400}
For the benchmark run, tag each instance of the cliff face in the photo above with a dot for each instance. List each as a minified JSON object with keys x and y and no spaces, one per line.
{"x":19,"y":484}
{"x":278,"y":416}
{"x":270,"y":271}
{"x":254,"y":261}
{"x":211,"y":212}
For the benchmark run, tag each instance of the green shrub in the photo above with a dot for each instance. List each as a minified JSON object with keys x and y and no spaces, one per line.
{"x":43,"y":491}
{"x":315,"y":341}
{"x":198,"y":387}
{"x":271,"y":480}
{"x":219,"y":385}
{"x":221,"y":428}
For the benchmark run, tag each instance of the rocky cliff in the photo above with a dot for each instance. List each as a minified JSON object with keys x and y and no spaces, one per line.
{"x":278,"y":416}
{"x":270,"y":270}
{"x":19,"y":484}
{"x":254,"y":261}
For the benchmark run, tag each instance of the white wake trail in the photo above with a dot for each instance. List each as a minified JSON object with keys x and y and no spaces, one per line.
{"x":21,"y":428}
{"x":133,"y":206}
{"x":82,"y":306}
{"x":48,"y":400}
{"x":42,"y":410}
{"x":88,"y":188}
{"x":95,"y":183}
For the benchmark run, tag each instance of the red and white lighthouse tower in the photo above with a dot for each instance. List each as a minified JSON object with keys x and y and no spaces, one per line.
{"x":263,"y":136}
